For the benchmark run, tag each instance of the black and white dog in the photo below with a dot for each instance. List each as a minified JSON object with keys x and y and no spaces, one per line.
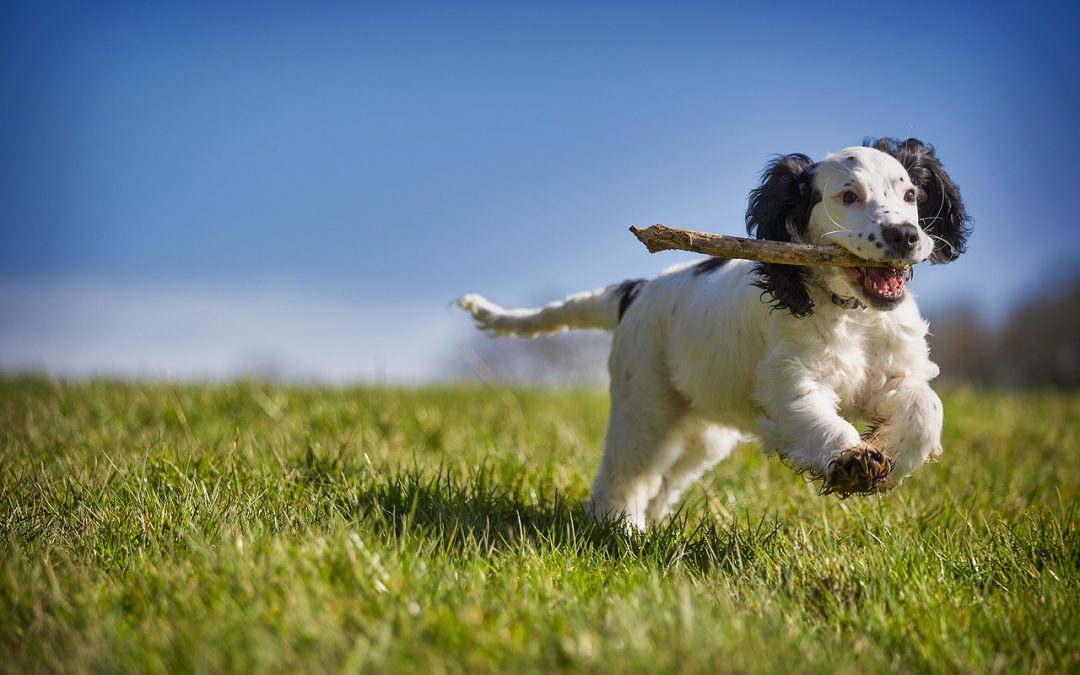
{"x":710,"y":353}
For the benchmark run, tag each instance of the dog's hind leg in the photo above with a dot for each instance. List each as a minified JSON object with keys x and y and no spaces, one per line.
{"x":639,"y":446}
{"x":702,"y":445}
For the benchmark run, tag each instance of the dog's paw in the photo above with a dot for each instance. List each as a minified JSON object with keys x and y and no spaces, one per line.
{"x":859,"y":470}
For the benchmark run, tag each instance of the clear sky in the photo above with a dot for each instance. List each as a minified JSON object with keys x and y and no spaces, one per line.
{"x":198,"y":190}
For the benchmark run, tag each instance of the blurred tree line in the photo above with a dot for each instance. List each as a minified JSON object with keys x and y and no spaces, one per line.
{"x":1037,"y":346}
{"x":567,"y":359}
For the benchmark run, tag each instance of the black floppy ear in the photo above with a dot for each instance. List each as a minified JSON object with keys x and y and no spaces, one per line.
{"x":779,"y":208}
{"x":941,"y":211}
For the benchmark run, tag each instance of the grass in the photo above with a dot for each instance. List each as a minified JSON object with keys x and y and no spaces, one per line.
{"x":251,"y":527}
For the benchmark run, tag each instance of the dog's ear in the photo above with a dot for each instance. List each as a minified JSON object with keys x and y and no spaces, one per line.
{"x":779,"y":210}
{"x":780,"y":206}
{"x":941,"y":211}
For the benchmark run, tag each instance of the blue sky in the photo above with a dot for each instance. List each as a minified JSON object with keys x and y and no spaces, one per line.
{"x":196,"y":190}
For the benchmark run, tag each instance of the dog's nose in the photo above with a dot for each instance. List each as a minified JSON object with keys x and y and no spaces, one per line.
{"x":901,"y":238}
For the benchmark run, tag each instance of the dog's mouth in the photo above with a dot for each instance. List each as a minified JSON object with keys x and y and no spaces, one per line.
{"x":883,"y":287}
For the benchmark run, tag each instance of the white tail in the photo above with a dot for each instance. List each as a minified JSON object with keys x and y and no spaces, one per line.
{"x":595,"y":310}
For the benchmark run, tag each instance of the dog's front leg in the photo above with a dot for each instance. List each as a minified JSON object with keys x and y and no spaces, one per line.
{"x":801,"y":422}
{"x":909,"y":417}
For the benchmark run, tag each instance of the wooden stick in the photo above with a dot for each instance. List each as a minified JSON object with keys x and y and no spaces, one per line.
{"x":664,"y":238}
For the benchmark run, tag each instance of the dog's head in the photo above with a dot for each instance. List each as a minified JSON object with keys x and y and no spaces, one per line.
{"x":888,"y":200}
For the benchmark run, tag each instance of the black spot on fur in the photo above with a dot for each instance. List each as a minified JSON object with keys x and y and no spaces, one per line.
{"x":871,"y":237}
{"x":627,"y":291}
{"x":709,"y":265}
{"x":784,"y":200}
{"x":941,"y":211}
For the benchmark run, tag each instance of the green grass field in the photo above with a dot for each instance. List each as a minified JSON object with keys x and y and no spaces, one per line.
{"x":251,"y":527}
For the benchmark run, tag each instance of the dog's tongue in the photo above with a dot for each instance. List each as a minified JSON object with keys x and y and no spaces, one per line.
{"x":884,"y":282}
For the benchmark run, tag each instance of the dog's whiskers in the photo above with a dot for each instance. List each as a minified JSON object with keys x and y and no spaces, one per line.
{"x":840,"y":228}
{"x":846,"y":170}
{"x":941,"y":240}
{"x":941,"y":202}
{"x":832,"y":232}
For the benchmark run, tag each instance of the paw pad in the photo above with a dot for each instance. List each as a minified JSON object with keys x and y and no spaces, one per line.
{"x":859,"y":470}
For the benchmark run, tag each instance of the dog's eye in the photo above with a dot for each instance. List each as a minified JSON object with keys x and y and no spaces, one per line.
{"x":849,"y":197}
{"x":909,"y":196}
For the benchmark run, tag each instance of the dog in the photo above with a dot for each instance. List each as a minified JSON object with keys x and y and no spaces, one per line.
{"x":713,"y":353}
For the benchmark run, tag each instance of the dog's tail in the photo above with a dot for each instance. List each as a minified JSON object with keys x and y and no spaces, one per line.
{"x":593,"y":310}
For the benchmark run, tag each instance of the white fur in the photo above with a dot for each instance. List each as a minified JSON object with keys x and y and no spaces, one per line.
{"x":701,"y":362}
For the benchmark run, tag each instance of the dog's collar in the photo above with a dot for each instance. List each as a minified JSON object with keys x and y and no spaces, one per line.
{"x":841,"y":301}
{"x":850,"y":302}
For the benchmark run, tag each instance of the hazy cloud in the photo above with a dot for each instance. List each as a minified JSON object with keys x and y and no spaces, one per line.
{"x":79,"y":329}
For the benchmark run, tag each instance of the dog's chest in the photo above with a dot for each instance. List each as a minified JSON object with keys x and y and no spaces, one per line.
{"x":848,"y":357}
